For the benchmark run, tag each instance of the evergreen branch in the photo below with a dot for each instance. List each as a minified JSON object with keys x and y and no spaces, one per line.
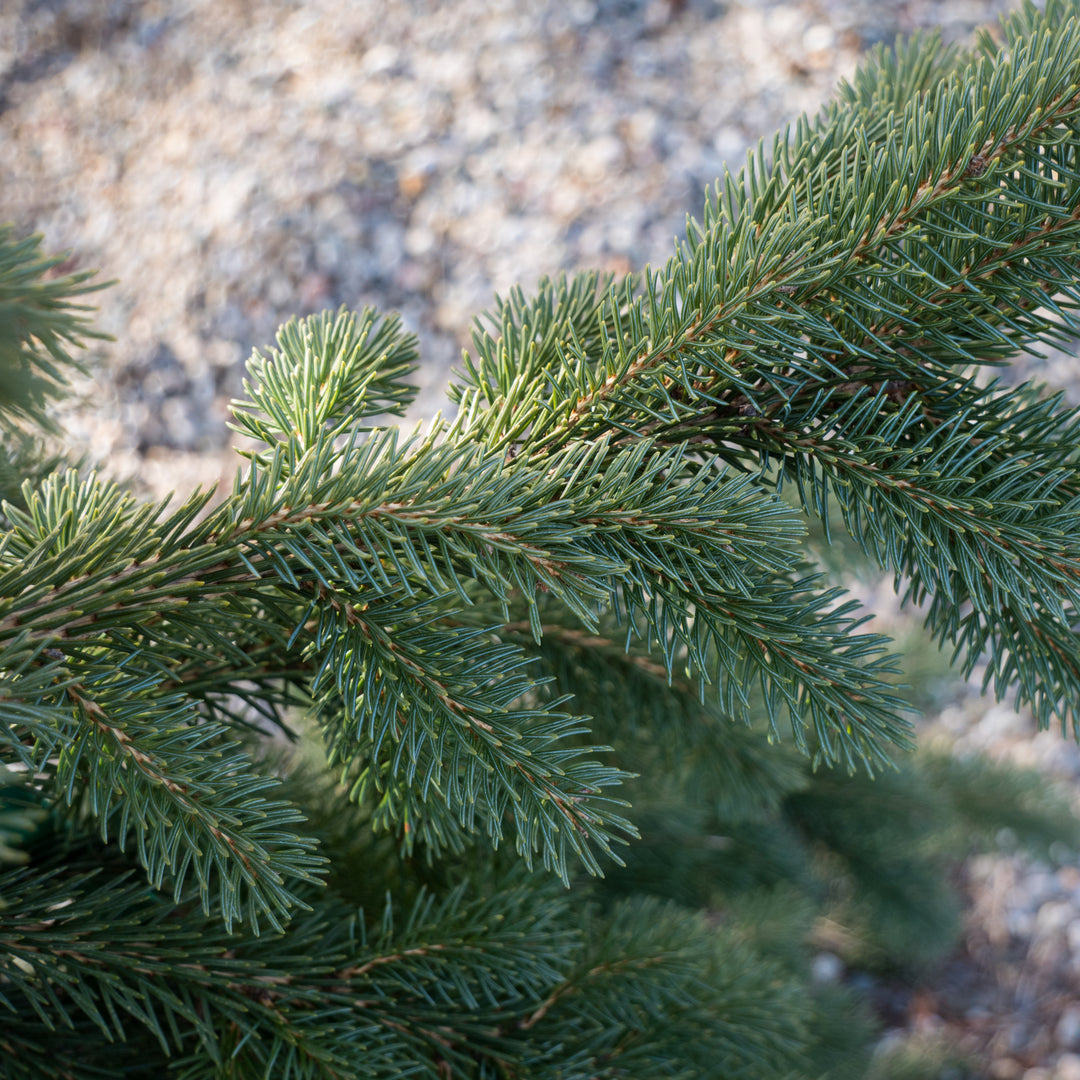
{"x":460,"y":731}
{"x":590,"y":522}
{"x":800,"y":650}
{"x":819,"y":315}
{"x":708,"y":327}
{"x":39,"y":322}
{"x":81,"y":552}
{"x":1015,"y":264}
{"x":578,"y":528}
{"x":144,"y":767}
{"x":46,"y":526}
{"x":637,"y":977}
{"x":77,"y":945}
{"x":327,"y":374}
{"x":573,"y":531}
{"x":461,"y":982}
{"x":458,"y":513}
{"x":946,"y":510}
{"x":979,"y":514}
{"x":106,"y":950}
{"x":111,"y":954}
{"x":432,"y":599}
{"x":92,"y":945}
{"x":807,"y":661}
{"x":664,"y":729}
{"x":538,"y":326}
{"x":27,"y":718}
{"x":1035,"y":656}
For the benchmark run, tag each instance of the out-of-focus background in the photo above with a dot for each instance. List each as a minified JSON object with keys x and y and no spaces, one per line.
{"x":234,"y":162}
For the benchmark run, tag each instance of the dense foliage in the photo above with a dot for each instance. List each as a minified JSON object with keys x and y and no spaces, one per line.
{"x":308,"y":779}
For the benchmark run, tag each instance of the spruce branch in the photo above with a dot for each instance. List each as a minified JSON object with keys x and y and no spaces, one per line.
{"x":327,"y":373}
{"x":39,"y":323}
{"x":636,"y":968}
{"x":823,"y":317}
{"x":665,"y":730}
{"x":143,"y":766}
{"x":445,"y":983}
{"x":455,"y":731}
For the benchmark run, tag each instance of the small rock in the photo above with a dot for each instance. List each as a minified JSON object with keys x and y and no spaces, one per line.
{"x":380,"y":59}
{"x":1019,"y":923}
{"x":1042,"y":885}
{"x":819,"y":38}
{"x":1017,"y":1037}
{"x":1006,"y":1069}
{"x":1068,"y":1067}
{"x":1067,"y":1031}
{"x":826,"y":967}
{"x":1053,"y":917}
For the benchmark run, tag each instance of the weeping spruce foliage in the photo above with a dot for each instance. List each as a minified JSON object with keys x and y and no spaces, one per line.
{"x":533,"y":744}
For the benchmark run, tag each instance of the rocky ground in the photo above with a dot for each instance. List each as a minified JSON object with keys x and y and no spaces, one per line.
{"x":234,"y":162}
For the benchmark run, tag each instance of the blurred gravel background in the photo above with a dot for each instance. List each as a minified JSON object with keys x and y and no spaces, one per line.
{"x":235,"y":162}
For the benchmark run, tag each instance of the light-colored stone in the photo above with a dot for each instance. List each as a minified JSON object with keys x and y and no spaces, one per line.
{"x":1067,"y":1029}
{"x":1054,"y":917}
{"x":1067,"y":1067}
{"x":826,"y":967}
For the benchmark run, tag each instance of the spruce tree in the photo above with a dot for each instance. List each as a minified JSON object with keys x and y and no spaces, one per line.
{"x":528,"y":744}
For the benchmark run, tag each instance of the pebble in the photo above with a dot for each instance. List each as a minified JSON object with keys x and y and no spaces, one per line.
{"x":826,"y":967}
{"x":1067,"y":1031}
{"x":1067,"y":1067}
{"x":1053,"y":917}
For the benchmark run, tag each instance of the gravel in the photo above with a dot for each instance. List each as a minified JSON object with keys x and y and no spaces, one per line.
{"x":234,"y":162}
